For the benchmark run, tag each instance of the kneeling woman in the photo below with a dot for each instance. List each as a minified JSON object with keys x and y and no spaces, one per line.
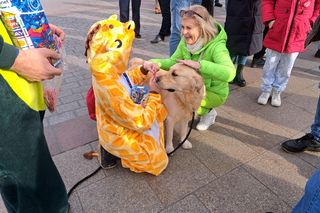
{"x":203,"y":47}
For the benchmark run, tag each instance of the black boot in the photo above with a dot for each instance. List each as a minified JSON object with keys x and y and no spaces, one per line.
{"x":239,"y":80}
{"x":107,"y":160}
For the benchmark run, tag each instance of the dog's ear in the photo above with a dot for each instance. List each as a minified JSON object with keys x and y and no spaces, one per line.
{"x":92,"y":31}
{"x":198,"y":83}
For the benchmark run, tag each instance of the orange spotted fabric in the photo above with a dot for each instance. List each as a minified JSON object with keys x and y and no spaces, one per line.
{"x":133,"y":132}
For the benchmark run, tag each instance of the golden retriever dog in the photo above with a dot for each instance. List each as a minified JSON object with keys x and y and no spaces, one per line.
{"x":182,"y":90}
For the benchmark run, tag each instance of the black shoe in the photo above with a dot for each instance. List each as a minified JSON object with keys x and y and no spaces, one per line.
{"x":239,"y":80}
{"x":317,"y":55}
{"x":107,"y":160}
{"x":157,"y":39}
{"x":218,"y":4}
{"x":257,"y":62}
{"x":307,"y":142}
{"x":137,"y":35}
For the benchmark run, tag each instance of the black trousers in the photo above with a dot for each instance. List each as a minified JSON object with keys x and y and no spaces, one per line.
{"x":124,"y":12}
{"x":261,"y":53}
{"x":166,"y":17}
{"x":209,"y":5}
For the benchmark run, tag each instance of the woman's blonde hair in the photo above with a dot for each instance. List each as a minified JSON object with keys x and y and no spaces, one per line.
{"x":206,"y":22}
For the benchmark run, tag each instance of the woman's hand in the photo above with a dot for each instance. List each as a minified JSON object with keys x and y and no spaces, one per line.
{"x":271,"y":24}
{"x":59,"y":32}
{"x":193,"y":64}
{"x":150,"y":67}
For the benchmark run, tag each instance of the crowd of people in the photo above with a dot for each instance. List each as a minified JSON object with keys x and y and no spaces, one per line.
{"x":30,"y":182}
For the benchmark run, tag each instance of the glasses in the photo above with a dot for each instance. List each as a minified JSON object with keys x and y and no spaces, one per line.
{"x":189,"y":13}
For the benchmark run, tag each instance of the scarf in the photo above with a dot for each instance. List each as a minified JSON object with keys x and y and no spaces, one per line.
{"x":196,"y":46}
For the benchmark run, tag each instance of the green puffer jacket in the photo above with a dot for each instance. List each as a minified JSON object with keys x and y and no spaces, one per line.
{"x":216,"y":66}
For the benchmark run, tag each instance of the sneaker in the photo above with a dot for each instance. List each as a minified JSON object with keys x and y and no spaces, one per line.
{"x":307,"y":142}
{"x":263,"y":98}
{"x":207,"y":120}
{"x":276,"y":99}
{"x":106,"y":159}
{"x":218,"y":4}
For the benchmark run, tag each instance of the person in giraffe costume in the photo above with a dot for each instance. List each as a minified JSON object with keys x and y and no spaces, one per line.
{"x":132,"y":132}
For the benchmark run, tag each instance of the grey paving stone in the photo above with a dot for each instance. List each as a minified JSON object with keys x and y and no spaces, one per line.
{"x":61,"y":118}
{"x":285,"y":174}
{"x":68,"y":107}
{"x":220,"y":151}
{"x":75,"y":205}
{"x":2,"y":206}
{"x":184,"y":174}
{"x":71,"y":98}
{"x":122,"y":191}
{"x":189,"y":204}
{"x":238,"y":191}
{"x":257,"y":133}
{"x":73,"y":167}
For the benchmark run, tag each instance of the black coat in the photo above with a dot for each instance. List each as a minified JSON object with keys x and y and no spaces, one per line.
{"x":244,"y":27}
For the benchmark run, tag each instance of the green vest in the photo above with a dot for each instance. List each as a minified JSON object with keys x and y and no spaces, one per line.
{"x":29,"y":92}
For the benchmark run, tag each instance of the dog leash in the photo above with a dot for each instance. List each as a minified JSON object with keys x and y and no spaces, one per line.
{"x":184,"y":140}
{"x":99,"y":168}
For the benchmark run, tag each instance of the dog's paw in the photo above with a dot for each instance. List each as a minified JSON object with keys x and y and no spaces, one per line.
{"x":169,"y":148}
{"x":187,"y":145}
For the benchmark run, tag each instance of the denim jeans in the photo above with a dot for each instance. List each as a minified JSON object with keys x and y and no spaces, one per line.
{"x":277,"y":70}
{"x":315,"y":127}
{"x":176,"y":6}
{"x":124,"y":12}
{"x":310,"y":201}
{"x":239,"y":59}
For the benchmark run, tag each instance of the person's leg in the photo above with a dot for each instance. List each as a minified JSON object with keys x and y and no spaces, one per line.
{"x":29,"y":180}
{"x":239,"y":72}
{"x":310,"y":141}
{"x":283,"y":71}
{"x":310,"y":201}
{"x":176,"y":6}
{"x":207,"y":110}
{"x":124,"y":10}
{"x":136,"y":4}
{"x":315,"y":127}
{"x":268,"y":75}
{"x":166,"y":18}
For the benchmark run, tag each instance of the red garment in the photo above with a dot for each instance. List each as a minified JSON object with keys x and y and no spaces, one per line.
{"x":293,"y":21}
{"x":91,"y":104}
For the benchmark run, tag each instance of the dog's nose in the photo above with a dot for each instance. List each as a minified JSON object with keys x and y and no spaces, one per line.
{"x":157,"y":79}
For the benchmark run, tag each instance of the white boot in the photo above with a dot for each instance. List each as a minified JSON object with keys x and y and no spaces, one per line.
{"x":263,"y":98}
{"x":276,"y":99}
{"x":207,"y":120}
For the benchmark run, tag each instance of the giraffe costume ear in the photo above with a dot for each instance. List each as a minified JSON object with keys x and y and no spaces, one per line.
{"x":92,"y":31}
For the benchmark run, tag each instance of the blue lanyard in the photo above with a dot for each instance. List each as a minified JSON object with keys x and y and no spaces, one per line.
{"x":128,"y":79}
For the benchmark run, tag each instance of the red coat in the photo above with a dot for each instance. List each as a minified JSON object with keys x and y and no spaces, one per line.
{"x":293,"y":21}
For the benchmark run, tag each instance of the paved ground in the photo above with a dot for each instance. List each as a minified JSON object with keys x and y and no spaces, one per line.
{"x":235,"y":166}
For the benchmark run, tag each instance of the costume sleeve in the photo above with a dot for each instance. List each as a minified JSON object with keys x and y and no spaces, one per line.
{"x":268,"y":11}
{"x":128,"y":114}
{"x":136,"y":75}
{"x":315,"y":11}
{"x":220,"y":66}
{"x":165,"y":64}
{"x":8,"y":54}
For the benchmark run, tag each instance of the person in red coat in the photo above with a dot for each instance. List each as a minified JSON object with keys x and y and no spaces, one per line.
{"x":289,"y":23}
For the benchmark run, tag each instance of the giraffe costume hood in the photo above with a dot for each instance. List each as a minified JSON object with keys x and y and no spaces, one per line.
{"x":130,"y":131}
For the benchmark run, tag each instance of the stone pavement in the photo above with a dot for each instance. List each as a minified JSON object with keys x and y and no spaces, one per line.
{"x":235,"y":166}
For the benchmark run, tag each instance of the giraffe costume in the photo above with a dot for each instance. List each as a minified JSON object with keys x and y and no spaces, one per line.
{"x":130,"y":131}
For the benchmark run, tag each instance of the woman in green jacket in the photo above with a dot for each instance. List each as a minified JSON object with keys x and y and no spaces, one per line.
{"x":203,"y":47}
